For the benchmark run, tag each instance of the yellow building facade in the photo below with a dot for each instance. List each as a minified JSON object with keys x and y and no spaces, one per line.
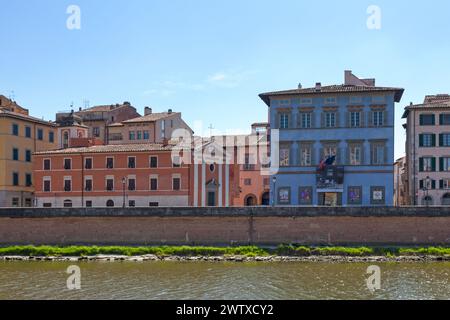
{"x":20,"y":136}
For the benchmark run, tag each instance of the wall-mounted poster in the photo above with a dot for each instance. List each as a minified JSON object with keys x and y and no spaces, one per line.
{"x":354,"y":195}
{"x":284,"y":195}
{"x":305,"y":196}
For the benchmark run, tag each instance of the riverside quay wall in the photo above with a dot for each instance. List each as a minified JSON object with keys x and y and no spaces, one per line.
{"x":226,"y":226}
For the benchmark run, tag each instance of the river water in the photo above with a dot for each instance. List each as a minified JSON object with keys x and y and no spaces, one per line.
{"x":204,"y":280}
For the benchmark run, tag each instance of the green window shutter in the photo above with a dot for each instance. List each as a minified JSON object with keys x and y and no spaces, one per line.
{"x":433,"y":164}
{"x":434,"y":120}
{"x":441,"y":184}
{"x":421,"y":164}
{"x":385,"y":118}
{"x":420,"y":140}
{"x":421,"y":184}
{"x":421,"y":120}
{"x":370,"y":124}
{"x":441,"y":140}
{"x":433,"y":184}
{"x":433,"y":140}
{"x":441,"y":164}
{"x":441,"y":119}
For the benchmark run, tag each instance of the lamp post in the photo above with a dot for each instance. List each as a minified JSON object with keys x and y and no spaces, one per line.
{"x":124,"y":183}
{"x":426,"y":188}
{"x":274,"y":180}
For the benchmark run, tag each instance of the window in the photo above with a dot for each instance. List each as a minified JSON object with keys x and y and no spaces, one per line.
{"x":378,"y":99}
{"x":88,"y":184}
{"x":132,"y":135}
{"x":88,"y":203}
{"x":427,"y":140}
{"x":377,"y":195}
{"x":139,"y":135}
{"x":284,"y":156}
{"x":305,"y":195}
{"x":67,"y":164}
{"x":47,"y":205}
{"x":444,"y":164}
{"x":65,"y":140}
{"x":28,"y":203}
{"x":110,"y":203}
{"x":330,"y":100}
{"x":153,"y":204}
{"x":15,"y":202}
{"x":444,"y":140}
{"x":28,"y":180}
{"x":96,"y":132}
{"x":284,"y":121}
{"x":355,"y":155}
{"x":109,"y":163}
{"x":28,"y":132}
{"x":88,"y":163}
{"x":427,"y":164}
{"x":131,"y":162}
{"x":67,"y":185}
{"x":146,"y":135}
{"x":15,"y":178}
{"x":306,"y":120}
{"x":47,"y":164}
{"x":354,"y":195}
{"x":40,"y":134}
{"x":284,"y":195}
{"x":306,"y":155}
{"x":444,"y":119}
{"x":249,"y":164}
{"x":427,"y":120}
{"x":329,"y":151}
{"x":330,"y":119}
{"x":378,"y":153}
{"x":15,"y":154}
{"x":284,"y":102}
{"x":110,"y":184}
{"x":212,"y":167}
{"x":355,"y":99}
{"x":15,"y":129}
{"x":67,"y":203}
{"x":445,"y":184}
{"x":355,"y":119}
{"x":306,"y":101}
{"x":163,"y":128}
{"x":176,"y":161}
{"x":248,"y":182}
{"x":153,"y":162}
{"x":176,"y":183}
{"x":47,"y":185}
{"x":131,"y":184}
{"x":377,"y":118}
{"x":51,"y":137}
{"x":28,"y":155}
{"x":132,"y":203}
{"x":154,"y":184}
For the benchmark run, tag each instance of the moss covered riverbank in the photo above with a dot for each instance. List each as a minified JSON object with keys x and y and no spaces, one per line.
{"x":239,"y":254}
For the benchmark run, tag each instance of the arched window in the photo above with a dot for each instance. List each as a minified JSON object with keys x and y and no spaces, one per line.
{"x":67,"y":203}
{"x":446,"y":199}
{"x":110,"y":203}
{"x":427,"y":201}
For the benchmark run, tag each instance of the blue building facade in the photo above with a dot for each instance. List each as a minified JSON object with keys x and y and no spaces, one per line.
{"x":352,"y":123}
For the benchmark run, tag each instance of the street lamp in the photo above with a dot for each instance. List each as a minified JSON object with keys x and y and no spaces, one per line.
{"x":426,"y":188}
{"x":124,"y":183}
{"x":274,"y":180}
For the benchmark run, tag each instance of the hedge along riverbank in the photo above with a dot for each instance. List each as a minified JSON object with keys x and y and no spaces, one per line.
{"x":249,"y":251}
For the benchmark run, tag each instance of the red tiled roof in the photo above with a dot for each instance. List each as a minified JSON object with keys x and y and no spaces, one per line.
{"x":151,"y":117}
{"x":332,"y":89}
{"x":111,"y":148}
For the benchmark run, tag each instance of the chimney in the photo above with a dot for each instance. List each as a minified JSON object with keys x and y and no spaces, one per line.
{"x":170,"y":111}
{"x":147,"y":111}
{"x":300,"y":86}
{"x":79,"y":109}
{"x":318,"y":86}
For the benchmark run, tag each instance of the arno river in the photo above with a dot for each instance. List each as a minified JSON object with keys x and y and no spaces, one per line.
{"x":203,"y":280}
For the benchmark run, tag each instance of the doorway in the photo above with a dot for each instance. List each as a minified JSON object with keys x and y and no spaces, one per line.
{"x":211,"y":199}
{"x":330,"y":199}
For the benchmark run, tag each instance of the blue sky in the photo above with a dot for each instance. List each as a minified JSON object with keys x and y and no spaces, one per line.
{"x":211,"y":59}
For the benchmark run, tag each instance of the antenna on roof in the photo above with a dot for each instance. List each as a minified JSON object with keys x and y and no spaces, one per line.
{"x":211,"y":128}
{"x":12,"y":96}
{"x":86,"y":103}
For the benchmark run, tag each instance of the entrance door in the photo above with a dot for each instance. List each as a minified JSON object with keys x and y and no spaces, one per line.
{"x":330,"y":199}
{"x":211,"y":199}
{"x":266,"y":199}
